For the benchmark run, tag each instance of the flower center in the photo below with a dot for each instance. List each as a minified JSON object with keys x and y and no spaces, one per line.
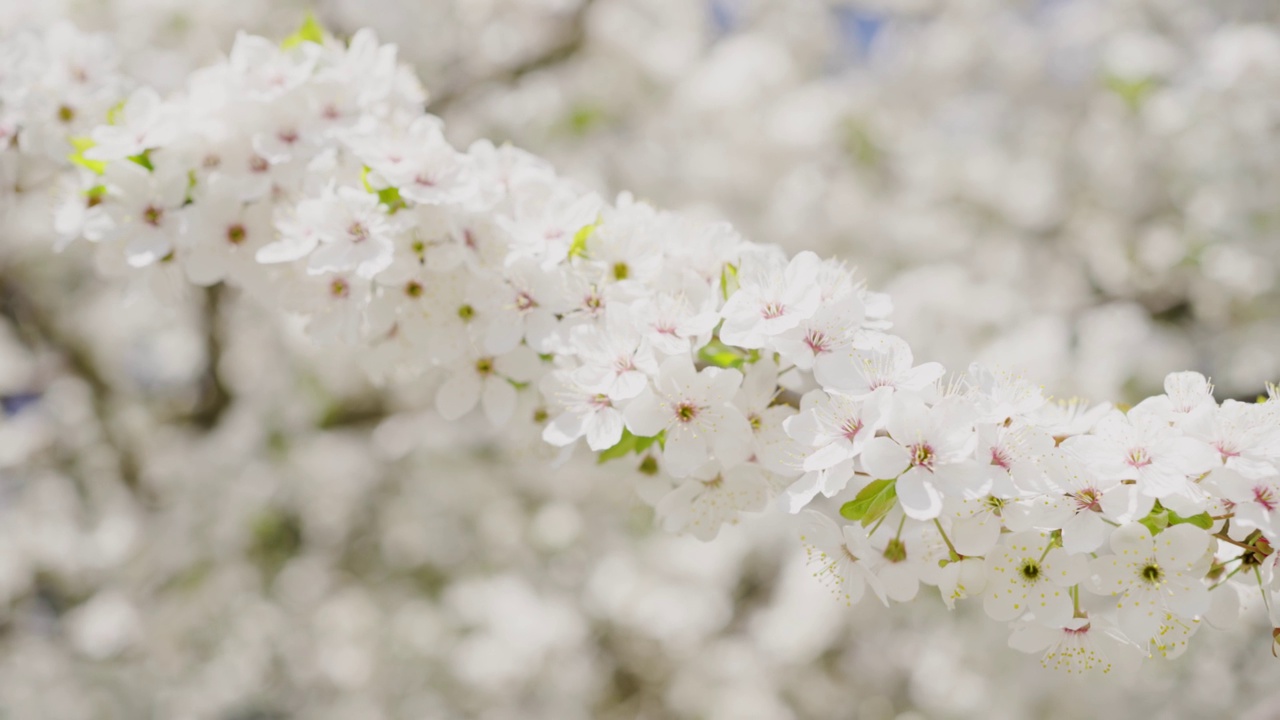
{"x":1000,"y":457}
{"x":358,"y":232}
{"x":152,"y":215}
{"x":413,"y":289}
{"x":895,"y":551}
{"x":525,"y":301}
{"x":817,"y":341}
{"x":1139,"y":458}
{"x":686,"y":412}
{"x":339,"y":288}
{"x":772,"y":310}
{"x":484,"y":365}
{"x":1152,"y":573}
{"x":621,"y":271}
{"x":1266,"y":497}
{"x":922,"y":456}
{"x":849,"y":429}
{"x":235,"y":234}
{"x":1088,"y":499}
{"x":1030,"y":570}
{"x":466,"y":312}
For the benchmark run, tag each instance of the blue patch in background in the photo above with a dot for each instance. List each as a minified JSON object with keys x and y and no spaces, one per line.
{"x":858,"y":30}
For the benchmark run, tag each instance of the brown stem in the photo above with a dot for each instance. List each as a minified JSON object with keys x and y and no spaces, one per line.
{"x":214,"y":396}
{"x":572,"y":40}
{"x":39,"y":330}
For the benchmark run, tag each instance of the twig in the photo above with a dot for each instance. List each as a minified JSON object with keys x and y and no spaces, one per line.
{"x":574,"y":38}
{"x":38,"y":330}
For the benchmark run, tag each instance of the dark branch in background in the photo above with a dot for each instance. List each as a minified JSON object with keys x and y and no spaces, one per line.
{"x":38,"y":331}
{"x":572,"y":41}
{"x":214,"y":399}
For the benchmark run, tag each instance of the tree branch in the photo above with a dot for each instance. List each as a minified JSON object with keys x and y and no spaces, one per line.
{"x":573,"y":40}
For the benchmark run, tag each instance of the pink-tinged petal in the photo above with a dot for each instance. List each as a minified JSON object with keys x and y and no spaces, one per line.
{"x":498,"y":400}
{"x":605,"y":430}
{"x":919,"y":498}
{"x":458,"y":395}
{"x":645,"y":416}
{"x":882,"y":458}
{"x":1084,"y":533}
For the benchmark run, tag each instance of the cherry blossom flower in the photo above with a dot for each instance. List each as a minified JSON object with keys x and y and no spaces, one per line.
{"x":696,"y":411}
{"x":1028,"y":575}
{"x":1153,"y":576}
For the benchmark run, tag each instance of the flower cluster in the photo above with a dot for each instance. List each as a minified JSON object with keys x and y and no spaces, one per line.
{"x":306,"y":174}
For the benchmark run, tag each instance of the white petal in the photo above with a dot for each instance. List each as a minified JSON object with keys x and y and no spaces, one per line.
{"x":975,"y":535}
{"x":1084,"y":533}
{"x":882,"y":458}
{"x":605,"y":429}
{"x":920,"y":499}
{"x":683,"y":451}
{"x":458,"y":395}
{"x":498,"y":400}
{"x":645,"y":416}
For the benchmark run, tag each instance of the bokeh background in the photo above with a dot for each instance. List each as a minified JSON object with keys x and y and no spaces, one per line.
{"x":203,"y":515}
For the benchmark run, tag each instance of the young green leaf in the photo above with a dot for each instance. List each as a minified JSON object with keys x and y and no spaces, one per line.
{"x":872,"y":503}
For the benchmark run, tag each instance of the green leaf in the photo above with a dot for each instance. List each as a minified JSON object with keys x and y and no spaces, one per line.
{"x":628,"y":444}
{"x":717,"y":354}
{"x":311,"y":31}
{"x":113,"y":112}
{"x":579,"y":246}
{"x":728,"y":280}
{"x":1133,"y":91}
{"x":585,"y":118}
{"x":1157,"y":519}
{"x":873,"y":502}
{"x":388,"y":196}
{"x":1203,"y":520}
{"x":144,"y":159}
{"x":81,"y":144}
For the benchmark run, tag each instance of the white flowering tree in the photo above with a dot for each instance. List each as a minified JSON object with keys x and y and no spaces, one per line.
{"x":724,"y":375}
